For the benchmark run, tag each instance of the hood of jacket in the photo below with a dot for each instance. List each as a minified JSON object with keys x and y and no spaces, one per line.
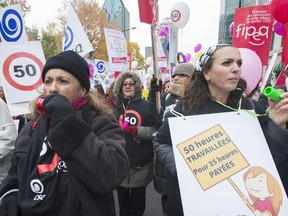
{"x":177,"y":89}
{"x":117,"y":89}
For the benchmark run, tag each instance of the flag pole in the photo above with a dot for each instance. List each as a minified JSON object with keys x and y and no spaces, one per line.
{"x":154,"y":52}
{"x":155,"y":65}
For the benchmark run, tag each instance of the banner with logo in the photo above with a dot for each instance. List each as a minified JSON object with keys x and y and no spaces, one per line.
{"x":225,"y":168}
{"x":285,"y":46}
{"x":12,"y":27}
{"x":253,"y":29}
{"x":117,"y":50}
{"x":76,"y":38}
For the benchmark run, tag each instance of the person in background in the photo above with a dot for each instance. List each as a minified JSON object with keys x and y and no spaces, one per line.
{"x":166,"y":85}
{"x":109,"y":97}
{"x":215,"y":87}
{"x":8,"y":134}
{"x":138,"y":119}
{"x":98,"y":90}
{"x":71,"y":156}
{"x":181,"y":77}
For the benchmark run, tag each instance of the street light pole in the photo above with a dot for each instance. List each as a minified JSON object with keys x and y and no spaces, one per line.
{"x":129,"y":29}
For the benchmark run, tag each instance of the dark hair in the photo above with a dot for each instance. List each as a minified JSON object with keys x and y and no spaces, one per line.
{"x":100,"y":89}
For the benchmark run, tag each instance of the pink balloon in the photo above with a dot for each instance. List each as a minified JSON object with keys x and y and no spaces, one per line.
{"x":164,"y":31}
{"x":197,"y":47}
{"x":231,"y":28}
{"x":188,"y":57}
{"x":251,"y":69}
{"x":279,"y":28}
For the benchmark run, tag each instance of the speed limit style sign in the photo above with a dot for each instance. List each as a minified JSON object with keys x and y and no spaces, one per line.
{"x":21,"y":66}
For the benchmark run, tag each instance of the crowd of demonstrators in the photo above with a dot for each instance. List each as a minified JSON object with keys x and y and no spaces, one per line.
{"x":138,"y":119}
{"x":71,"y":156}
{"x":215,"y":87}
{"x":180,"y":79}
{"x":80,"y":144}
{"x":8,"y":134}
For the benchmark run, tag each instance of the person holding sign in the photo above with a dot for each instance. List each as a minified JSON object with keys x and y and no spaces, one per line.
{"x":71,"y":156}
{"x":216,"y":87}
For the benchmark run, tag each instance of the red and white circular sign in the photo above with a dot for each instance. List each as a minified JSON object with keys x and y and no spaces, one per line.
{"x":22,"y":70}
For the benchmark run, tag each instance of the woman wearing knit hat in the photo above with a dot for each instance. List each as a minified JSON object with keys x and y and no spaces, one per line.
{"x":138,"y":119}
{"x":70,"y":158}
{"x":216,"y":86}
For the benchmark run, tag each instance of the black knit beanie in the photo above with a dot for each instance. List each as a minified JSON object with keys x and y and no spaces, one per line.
{"x":71,"y":62}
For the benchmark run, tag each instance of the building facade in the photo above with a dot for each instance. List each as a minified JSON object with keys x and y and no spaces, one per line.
{"x":118,"y":13}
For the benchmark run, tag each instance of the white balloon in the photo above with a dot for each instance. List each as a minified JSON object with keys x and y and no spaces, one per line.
{"x":134,"y":64}
{"x":149,"y":60}
{"x":150,"y":70}
{"x":194,"y":59}
{"x":180,"y":14}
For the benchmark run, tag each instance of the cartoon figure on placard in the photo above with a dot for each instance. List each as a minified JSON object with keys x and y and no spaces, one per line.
{"x":264,"y":191}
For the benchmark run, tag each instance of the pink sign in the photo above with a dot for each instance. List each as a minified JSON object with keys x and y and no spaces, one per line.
{"x":253,"y":29}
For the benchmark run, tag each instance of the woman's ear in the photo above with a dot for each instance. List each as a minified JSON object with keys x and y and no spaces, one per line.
{"x":83,"y":91}
{"x":206,"y":76}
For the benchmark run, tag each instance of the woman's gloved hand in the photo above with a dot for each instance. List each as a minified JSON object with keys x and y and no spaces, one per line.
{"x":154,"y":87}
{"x":57,"y":107}
{"x":132,"y":130}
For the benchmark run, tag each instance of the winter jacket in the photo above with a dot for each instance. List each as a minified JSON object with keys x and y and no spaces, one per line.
{"x":168,"y":101}
{"x":71,"y":170}
{"x":143,"y":115}
{"x":276,"y":138}
{"x":8,"y":134}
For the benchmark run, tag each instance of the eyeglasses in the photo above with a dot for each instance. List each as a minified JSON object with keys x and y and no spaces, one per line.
{"x":132,"y":84}
{"x":180,"y":75}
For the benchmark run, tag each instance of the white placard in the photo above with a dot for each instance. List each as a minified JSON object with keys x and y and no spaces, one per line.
{"x":21,"y":67}
{"x":117,"y":50}
{"x":212,"y":154}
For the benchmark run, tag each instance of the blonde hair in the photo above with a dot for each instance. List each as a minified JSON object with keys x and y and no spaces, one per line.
{"x":272,"y":184}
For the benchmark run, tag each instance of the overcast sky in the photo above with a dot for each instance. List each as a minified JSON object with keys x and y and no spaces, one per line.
{"x":202,"y":26}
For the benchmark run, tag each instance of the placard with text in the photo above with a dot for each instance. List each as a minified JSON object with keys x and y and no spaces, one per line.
{"x":220,"y":160}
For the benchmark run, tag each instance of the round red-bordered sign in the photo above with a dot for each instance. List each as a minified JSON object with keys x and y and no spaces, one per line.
{"x":175,"y":15}
{"x":9,"y":78}
{"x":133,"y":113}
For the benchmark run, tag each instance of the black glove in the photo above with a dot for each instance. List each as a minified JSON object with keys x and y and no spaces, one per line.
{"x":57,"y":107}
{"x":154,"y":87}
{"x":9,"y":205}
